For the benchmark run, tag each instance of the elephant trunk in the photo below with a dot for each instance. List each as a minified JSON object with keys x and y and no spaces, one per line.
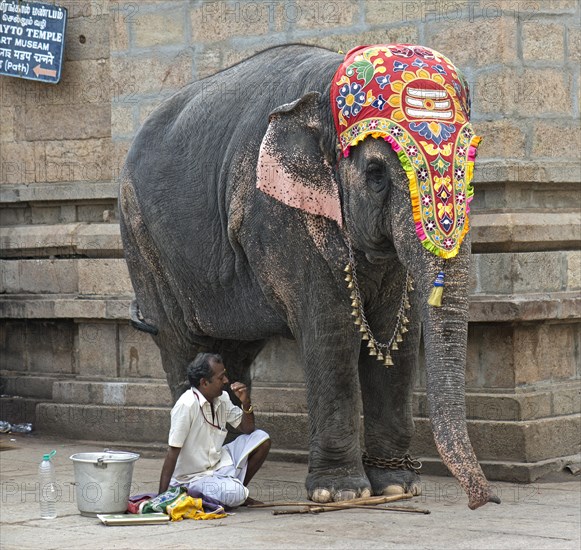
{"x":445,"y":338}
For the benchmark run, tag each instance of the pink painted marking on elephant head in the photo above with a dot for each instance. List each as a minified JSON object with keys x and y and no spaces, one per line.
{"x":274,"y":180}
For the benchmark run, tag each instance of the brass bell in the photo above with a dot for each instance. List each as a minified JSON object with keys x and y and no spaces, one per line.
{"x":371,"y":344}
{"x":350,"y":285}
{"x":357,"y":321}
{"x":347,"y":268}
{"x":403,"y":329}
{"x":380,"y":356}
{"x":365,"y":336}
{"x":372,"y":352}
{"x":394,"y":346}
{"x":407,"y":304}
{"x":398,"y":338}
{"x":355,"y":313}
{"x":348,"y":278}
{"x":353,"y":295}
{"x":355,"y":303}
{"x":404,"y":320}
{"x":388,"y":362}
{"x":362,"y":329}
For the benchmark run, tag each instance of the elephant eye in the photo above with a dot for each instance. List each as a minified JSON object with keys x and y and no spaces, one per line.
{"x":376,"y":176}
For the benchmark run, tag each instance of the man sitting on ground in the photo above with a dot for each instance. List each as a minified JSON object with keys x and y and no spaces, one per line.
{"x":197,"y":457}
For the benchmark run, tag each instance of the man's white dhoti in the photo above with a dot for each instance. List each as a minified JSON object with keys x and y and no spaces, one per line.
{"x":226,"y":485}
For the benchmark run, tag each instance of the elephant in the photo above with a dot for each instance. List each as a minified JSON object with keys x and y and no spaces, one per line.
{"x":247,"y":214}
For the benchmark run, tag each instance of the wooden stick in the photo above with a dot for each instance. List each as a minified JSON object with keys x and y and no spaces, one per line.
{"x":363,"y":501}
{"x":317,"y":509}
{"x":363,"y":507}
{"x":289,"y":512}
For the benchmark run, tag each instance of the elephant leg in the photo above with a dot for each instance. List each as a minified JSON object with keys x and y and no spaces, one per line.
{"x":388,"y":419}
{"x":238,"y":356}
{"x":330,"y":358}
{"x":175,"y":364}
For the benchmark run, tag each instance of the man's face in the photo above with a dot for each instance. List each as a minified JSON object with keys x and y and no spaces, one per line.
{"x":213,"y":388}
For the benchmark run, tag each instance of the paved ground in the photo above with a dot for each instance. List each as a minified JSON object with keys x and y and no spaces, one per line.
{"x":538,"y":516}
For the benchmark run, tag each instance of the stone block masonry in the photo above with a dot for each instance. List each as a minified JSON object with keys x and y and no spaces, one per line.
{"x":65,"y":287}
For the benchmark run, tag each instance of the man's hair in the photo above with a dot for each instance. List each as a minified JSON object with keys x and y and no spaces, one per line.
{"x":201,"y":367}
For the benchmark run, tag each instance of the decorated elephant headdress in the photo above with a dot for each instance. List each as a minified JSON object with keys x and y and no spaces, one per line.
{"x":418,"y":101}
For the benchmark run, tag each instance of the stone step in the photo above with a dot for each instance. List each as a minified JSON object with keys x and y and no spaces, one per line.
{"x":492,"y":440}
{"x":18,"y":409}
{"x":64,"y":306}
{"x":156,"y":393}
{"x":22,"y":384}
{"x":515,"y":472}
{"x":491,"y":232}
{"x":83,"y":277}
{"x":58,"y":192}
{"x":117,"y":423}
{"x":533,"y":440}
{"x":107,"y":423}
{"x":494,"y":470}
{"x":561,"y":400}
{"x":97,"y":240}
{"x":527,"y":176}
{"x":525,"y":231}
{"x":125,"y":393}
{"x":524,"y":274}
{"x":146,"y":428}
{"x":483,"y":309}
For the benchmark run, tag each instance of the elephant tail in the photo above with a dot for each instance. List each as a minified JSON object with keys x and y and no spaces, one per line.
{"x":138,"y":322}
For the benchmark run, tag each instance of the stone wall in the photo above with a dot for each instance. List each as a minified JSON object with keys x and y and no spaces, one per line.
{"x":70,"y":355}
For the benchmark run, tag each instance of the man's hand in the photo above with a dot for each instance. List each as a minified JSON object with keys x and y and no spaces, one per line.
{"x":241,"y":392}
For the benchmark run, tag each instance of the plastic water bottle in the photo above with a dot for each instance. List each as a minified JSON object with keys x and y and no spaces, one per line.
{"x":48,"y":488}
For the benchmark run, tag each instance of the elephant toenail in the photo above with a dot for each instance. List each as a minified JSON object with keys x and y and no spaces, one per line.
{"x":321,"y":495}
{"x":416,"y":490}
{"x":392,"y":490}
{"x":365,"y":493}
{"x":344,"y":495}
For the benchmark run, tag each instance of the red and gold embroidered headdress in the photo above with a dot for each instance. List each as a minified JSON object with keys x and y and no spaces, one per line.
{"x":418,"y":101}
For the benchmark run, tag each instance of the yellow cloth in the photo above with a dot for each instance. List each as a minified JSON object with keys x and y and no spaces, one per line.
{"x":186,"y":507}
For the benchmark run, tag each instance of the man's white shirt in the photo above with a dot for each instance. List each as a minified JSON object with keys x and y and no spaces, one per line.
{"x":200,"y":436}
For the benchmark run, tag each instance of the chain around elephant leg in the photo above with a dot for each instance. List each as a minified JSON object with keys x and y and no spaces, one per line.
{"x":393,"y":476}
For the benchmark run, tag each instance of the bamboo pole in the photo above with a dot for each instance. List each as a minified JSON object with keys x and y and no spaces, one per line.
{"x":356,"y":501}
{"x":317,"y":509}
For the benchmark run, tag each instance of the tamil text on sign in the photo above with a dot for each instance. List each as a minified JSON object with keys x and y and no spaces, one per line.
{"x":32,"y":38}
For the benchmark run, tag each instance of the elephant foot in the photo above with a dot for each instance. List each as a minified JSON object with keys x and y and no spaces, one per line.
{"x":393,"y":482}
{"x":328,"y":487}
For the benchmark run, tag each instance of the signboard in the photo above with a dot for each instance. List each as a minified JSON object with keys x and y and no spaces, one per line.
{"x":32,"y":36}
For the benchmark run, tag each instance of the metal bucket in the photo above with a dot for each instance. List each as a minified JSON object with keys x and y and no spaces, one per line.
{"x":103,"y":481}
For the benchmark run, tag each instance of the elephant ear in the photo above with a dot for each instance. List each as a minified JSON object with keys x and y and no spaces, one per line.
{"x":291,"y":167}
